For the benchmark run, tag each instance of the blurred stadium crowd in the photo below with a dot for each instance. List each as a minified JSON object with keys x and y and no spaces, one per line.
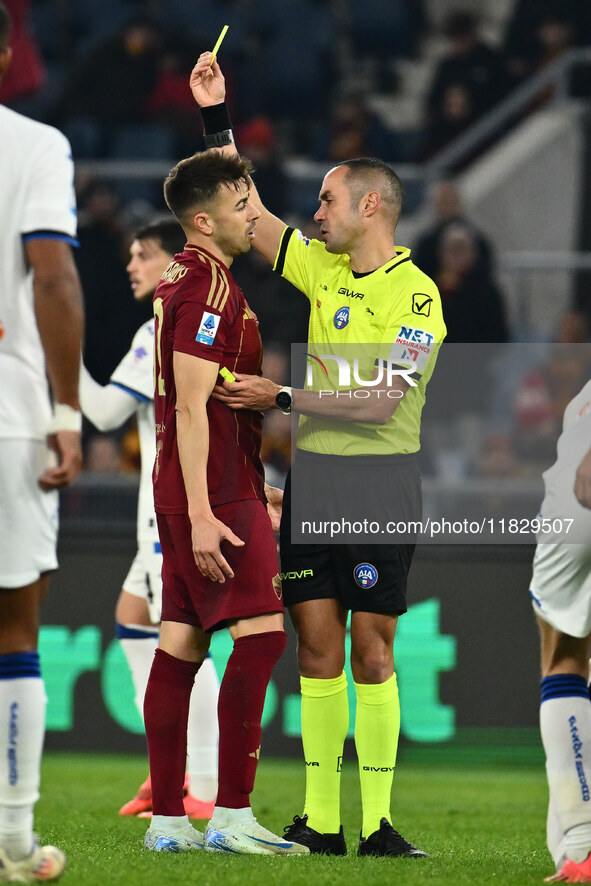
{"x":101,"y":71}
{"x":322,"y":80}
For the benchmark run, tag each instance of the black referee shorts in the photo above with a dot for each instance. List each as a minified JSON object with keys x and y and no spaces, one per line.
{"x":363,"y":577}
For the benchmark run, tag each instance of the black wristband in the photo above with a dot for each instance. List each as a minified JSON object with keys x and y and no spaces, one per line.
{"x":219,"y":139}
{"x":215,"y":119}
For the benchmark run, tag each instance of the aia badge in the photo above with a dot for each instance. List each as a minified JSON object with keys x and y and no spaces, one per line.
{"x":341,"y":318}
{"x":365,"y":575}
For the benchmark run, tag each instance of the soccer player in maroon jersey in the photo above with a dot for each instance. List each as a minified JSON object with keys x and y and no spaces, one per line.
{"x":220,"y":565}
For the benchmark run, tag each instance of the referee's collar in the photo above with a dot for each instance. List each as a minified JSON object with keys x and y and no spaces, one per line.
{"x":402,"y":255}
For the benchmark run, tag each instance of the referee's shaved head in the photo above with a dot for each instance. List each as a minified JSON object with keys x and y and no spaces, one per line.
{"x":371,"y":174}
{"x":5,"y":26}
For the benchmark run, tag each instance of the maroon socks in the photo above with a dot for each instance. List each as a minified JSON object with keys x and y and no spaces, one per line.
{"x":240,"y":708}
{"x":166,"y":711}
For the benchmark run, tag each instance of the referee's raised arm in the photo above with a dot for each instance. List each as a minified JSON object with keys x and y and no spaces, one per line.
{"x":209,"y":91}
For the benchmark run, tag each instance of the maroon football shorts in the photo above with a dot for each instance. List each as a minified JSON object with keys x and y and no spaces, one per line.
{"x":190,"y":598}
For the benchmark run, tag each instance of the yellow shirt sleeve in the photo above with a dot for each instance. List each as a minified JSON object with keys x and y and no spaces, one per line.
{"x":416,"y":327}
{"x":300,"y":259}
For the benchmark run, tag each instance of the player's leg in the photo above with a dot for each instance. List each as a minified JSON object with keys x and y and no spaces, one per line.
{"x":138,"y":637}
{"x":561,"y":594}
{"x":565,"y":725}
{"x":555,"y":836}
{"x":22,"y":715}
{"x":373,"y":579}
{"x":137,"y":633}
{"x":28,"y":529}
{"x":258,"y":644}
{"x":182,"y":648}
{"x":250,"y":604}
{"x":22,"y":730}
{"x":202,"y":737}
{"x":137,"y":617}
{"x":202,"y":743}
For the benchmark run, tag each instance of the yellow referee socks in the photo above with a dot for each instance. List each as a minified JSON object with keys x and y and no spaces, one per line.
{"x":325,"y":722}
{"x":377,"y":727}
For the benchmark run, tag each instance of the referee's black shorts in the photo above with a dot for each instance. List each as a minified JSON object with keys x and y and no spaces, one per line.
{"x":362,"y":576}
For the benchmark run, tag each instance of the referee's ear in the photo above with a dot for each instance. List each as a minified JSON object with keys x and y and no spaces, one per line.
{"x":370,"y":203}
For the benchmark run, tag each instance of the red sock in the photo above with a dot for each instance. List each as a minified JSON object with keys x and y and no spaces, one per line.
{"x":240,"y":708}
{"x":166,"y":711}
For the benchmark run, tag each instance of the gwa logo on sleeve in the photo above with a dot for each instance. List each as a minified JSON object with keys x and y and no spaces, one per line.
{"x":208,"y":329}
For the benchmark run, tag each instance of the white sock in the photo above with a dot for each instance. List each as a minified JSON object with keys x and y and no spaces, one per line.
{"x":16,"y":830}
{"x":565,"y":724}
{"x":139,"y":652}
{"x":169,"y":824}
{"x":224,"y":817}
{"x":22,"y":730}
{"x":202,"y":734}
{"x":578,"y":842}
{"x":555,"y":837}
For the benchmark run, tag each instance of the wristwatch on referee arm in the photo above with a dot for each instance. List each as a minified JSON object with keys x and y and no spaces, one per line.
{"x":284,"y":400}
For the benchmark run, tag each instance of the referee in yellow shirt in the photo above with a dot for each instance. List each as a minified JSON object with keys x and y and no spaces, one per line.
{"x":365,"y":293}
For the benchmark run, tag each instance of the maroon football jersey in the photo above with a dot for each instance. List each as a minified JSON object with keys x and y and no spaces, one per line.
{"x":199,"y":309}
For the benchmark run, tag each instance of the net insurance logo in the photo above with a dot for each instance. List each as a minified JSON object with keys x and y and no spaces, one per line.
{"x":349,"y":376}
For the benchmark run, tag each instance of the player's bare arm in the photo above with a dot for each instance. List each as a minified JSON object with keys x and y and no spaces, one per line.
{"x":194,"y":381}
{"x":209,"y":89}
{"x":583,"y":481}
{"x":60,"y":319}
{"x":255,"y":392}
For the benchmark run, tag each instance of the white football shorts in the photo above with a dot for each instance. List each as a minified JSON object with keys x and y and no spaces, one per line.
{"x":561,"y":587}
{"x":29,"y":517}
{"x":144,"y":578}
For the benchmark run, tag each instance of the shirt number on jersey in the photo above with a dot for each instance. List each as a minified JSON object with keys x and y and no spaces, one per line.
{"x":159,"y":316}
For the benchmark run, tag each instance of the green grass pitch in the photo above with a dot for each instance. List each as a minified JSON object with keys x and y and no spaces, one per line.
{"x":482,"y":818}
